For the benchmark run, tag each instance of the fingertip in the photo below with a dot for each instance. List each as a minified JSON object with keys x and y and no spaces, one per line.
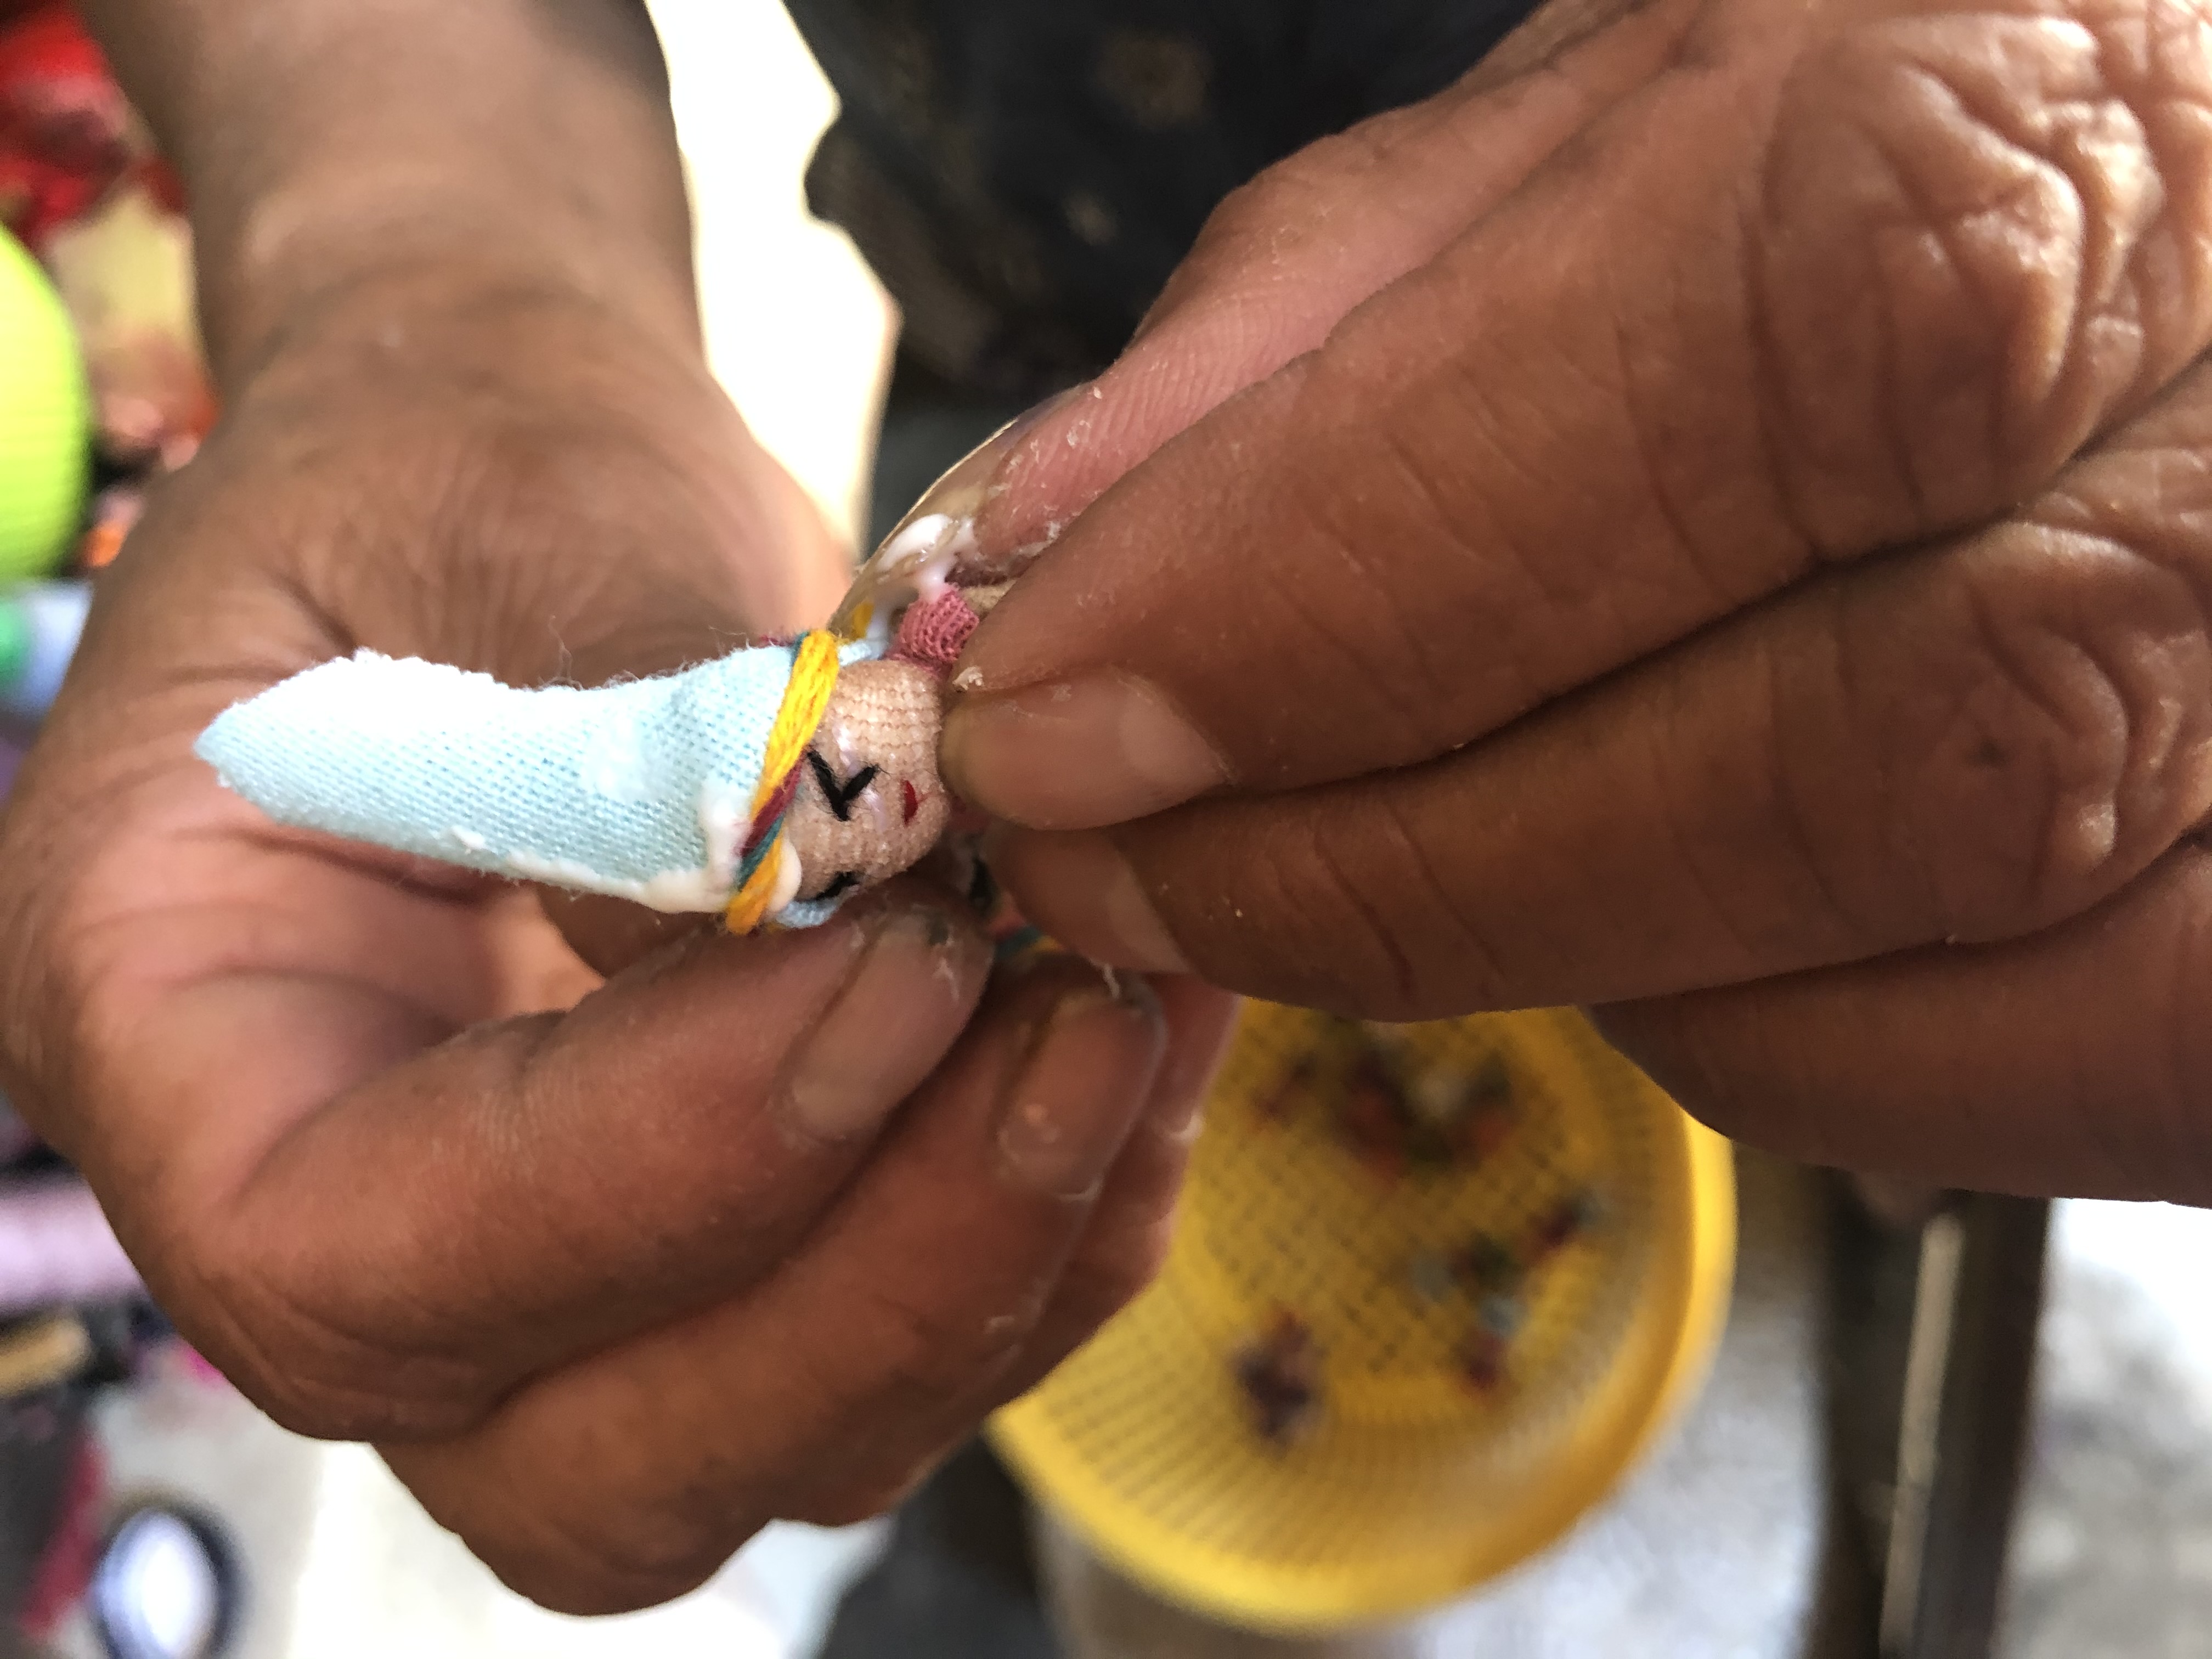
{"x":921,"y":969}
{"x":832,"y":1025}
{"x":1081,"y":890}
{"x":1087,"y":1080}
{"x":1074,"y":754}
{"x":1201,"y":1019}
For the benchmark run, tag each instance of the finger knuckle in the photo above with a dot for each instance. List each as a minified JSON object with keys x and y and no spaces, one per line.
{"x":2066,"y":748}
{"x":592,"y":1567}
{"x":1975,"y":233}
{"x":847,"y":1504}
{"x":557,"y":1527}
{"x":1304,"y":188}
{"x":1088,"y":1302}
{"x":296,"y":1359}
{"x":1661,"y":1038}
{"x":1311,"y":189}
{"x":1136,"y":1264}
{"x":1333,"y":888}
{"x":1097,"y":1288}
{"x":941,"y":1354}
{"x":1400,"y":703}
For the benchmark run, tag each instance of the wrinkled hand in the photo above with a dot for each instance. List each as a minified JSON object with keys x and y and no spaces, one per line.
{"x":758,"y":1228}
{"x":1718,"y":528}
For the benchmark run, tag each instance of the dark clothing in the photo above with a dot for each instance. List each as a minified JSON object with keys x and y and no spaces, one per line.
{"x":1025,"y":174}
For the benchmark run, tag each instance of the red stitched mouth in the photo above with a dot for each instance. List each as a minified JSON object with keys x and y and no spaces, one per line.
{"x":909,"y":799}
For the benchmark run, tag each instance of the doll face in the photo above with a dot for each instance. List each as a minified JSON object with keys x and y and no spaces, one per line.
{"x":870,"y":804}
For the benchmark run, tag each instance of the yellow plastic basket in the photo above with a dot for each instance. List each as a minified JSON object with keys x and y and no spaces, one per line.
{"x":1493,"y":1253}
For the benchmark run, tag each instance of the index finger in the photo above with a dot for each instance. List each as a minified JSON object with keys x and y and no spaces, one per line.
{"x":1835,"y":280}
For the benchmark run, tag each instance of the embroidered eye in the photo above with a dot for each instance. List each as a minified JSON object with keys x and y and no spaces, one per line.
{"x":840,"y":792}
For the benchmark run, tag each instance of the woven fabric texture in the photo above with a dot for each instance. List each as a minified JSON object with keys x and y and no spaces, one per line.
{"x":882,"y":802}
{"x":639,"y":789}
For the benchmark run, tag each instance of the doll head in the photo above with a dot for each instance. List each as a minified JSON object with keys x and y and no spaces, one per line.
{"x":870,"y":804}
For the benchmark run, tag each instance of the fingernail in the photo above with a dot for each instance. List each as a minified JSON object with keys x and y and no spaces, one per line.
{"x":1175,"y":1105}
{"x":1075,"y":754}
{"x":1082,"y":1092}
{"x":1184,"y":1085}
{"x":886,"y":1029}
{"x":939,"y":529}
{"x":1082,"y":891}
{"x":966,"y":484}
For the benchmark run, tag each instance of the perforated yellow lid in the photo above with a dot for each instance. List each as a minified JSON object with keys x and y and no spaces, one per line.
{"x":1492,"y":1252}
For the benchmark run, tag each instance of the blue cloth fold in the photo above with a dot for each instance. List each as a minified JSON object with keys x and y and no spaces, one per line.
{"x":640,"y":789}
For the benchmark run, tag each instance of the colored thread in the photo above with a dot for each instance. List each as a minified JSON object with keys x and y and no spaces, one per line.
{"x":933,"y":632}
{"x":813,"y":676}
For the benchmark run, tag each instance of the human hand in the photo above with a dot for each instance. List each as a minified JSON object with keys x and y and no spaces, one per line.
{"x":613,"y":1275}
{"x":1715,"y":527}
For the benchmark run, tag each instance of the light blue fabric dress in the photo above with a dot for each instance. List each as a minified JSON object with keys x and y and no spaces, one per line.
{"x":640,"y":789}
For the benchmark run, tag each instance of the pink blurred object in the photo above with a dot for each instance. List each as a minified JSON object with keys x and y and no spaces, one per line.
{"x":56,"y":1246}
{"x":192,"y":1362}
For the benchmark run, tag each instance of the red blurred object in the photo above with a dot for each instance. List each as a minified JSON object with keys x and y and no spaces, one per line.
{"x":81,"y":187}
{"x":65,"y":1568}
{"x":1482,"y":1360}
{"x":1280,"y":1374}
{"x":68,"y":139}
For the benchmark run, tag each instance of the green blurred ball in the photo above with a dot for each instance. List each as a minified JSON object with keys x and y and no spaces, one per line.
{"x":45,"y":421}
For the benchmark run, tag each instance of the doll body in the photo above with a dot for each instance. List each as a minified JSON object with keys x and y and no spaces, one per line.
{"x":769,"y":784}
{"x":647,"y":790}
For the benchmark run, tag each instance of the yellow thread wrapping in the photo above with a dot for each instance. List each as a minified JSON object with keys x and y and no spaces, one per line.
{"x":748,"y":905}
{"x":814,"y":677}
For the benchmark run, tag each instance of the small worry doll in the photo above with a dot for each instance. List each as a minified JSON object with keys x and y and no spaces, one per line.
{"x":769,"y":784}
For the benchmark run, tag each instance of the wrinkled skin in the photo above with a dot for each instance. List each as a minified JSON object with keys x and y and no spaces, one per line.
{"x":1716,"y":529}
{"x":1694,"y":529}
{"x":525,"y":1204}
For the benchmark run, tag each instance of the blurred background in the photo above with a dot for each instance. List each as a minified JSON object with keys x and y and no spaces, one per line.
{"x":1937,"y":1424}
